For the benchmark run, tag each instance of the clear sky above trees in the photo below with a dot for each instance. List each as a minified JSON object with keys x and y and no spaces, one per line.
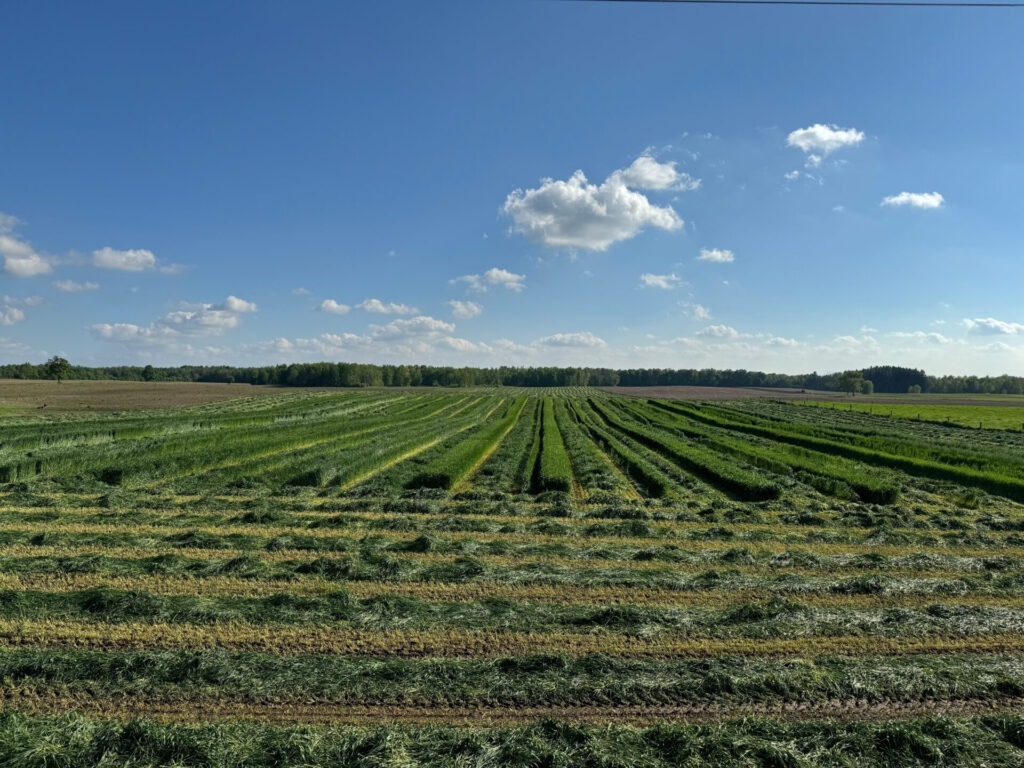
{"x":620,"y":185}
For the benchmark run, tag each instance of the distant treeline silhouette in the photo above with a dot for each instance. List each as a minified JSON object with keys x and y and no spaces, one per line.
{"x":885,"y":378}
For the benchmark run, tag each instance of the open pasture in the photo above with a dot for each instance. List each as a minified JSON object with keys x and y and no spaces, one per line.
{"x":510,"y":577}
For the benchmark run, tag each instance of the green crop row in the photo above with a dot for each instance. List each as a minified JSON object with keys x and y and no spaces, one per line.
{"x":554,"y":472}
{"x":702,"y":462}
{"x":455,"y":464}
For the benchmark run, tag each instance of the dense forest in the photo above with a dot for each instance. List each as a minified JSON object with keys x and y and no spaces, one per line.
{"x":883,"y":378}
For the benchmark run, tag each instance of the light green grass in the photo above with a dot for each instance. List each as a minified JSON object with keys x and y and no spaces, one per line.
{"x":984,"y":416}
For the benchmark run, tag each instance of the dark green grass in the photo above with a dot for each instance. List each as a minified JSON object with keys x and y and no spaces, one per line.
{"x":72,"y":741}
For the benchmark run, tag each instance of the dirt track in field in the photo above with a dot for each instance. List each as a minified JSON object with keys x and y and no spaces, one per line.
{"x":205,"y":709}
{"x":767,"y":393}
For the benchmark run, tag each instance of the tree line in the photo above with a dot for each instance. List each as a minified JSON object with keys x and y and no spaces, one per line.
{"x":887,"y":379}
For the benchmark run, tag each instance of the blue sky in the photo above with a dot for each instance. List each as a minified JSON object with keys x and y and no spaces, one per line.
{"x":536,"y":183}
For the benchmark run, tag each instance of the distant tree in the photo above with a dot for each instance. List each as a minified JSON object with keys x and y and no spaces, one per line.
{"x":867,"y":387}
{"x":148,"y":374}
{"x":914,"y":389}
{"x":851,"y":381}
{"x":57,"y":368}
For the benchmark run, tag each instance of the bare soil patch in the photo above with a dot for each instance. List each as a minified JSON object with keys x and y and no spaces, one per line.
{"x":43,"y":398}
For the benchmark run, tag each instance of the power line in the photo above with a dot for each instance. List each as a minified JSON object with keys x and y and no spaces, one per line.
{"x":875,"y":3}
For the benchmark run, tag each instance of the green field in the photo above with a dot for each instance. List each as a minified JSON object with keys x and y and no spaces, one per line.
{"x":509,"y":578}
{"x":973,"y":416}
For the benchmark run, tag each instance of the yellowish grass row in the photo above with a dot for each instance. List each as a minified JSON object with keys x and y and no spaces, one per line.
{"x":290,"y":640}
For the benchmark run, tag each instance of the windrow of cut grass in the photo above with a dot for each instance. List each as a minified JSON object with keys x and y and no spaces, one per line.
{"x":582,"y":557}
{"x":451,"y":643}
{"x":969,"y":739}
{"x":644,"y":475}
{"x":831,"y":475}
{"x":510,"y":681}
{"x":967,"y":469}
{"x":553,"y":471}
{"x":781,"y":616}
{"x":463,"y":459}
{"x":592,"y":468}
{"x":730,"y":476}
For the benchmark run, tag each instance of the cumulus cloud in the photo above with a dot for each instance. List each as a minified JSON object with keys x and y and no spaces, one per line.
{"x":584,"y":339}
{"x":379,"y":307}
{"x":989,"y":326}
{"x":190,"y":321}
{"x":465,"y":345}
{"x":465,"y":310}
{"x":235,"y":304}
{"x":334,"y":308}
{"x":575,"y":213}
{"x":128,"y":332}
{"x":70,"y":286}
{"x":665,"y":282}
{"x":924,"y":200}
{"x":847,"y":345}
{"x":648,"y":173}
{"x":716,"y":255}
{"x":819,"y":140}
{"x":134,"y":260}
{"x":20,"y":259}
{"x":11,"y":315}
{"x":781,"y":342}
{"x":720,"y":332}
{"x":492,"y":278}
{"x":699,"y":312}
{"x":922,"y":336}
{"x":422,"y":325}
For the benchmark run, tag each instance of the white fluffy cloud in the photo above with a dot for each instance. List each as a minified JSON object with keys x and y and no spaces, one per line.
{"x":420,"y":326}
{"x":922,"y":336}
{"x":134,"y":260}
{"x":379,"y":307}
{"x":781,"y":342}
{"x":716,"y":255}
{"x":578,"y":214}
{"x":665,"y":282}
{"x":925,"y":200}
{"x":584,"y":339}
{"x":989,"y":326}
{"x":20,"y":259}
{"x":492,"y":278}
{"x":465,"y":310}
{"x":818,"y":140}
{"x":70,"y":286}
{"x":11,"y":315}
{"x":698,"y":311}
{"x":720,"y":332}
{"x":851,"y":345}
{"x":128,"y":332}
{"x":241,"y":306}
{"x":190,"y":321}
{"x":648,"y":173}
{"x":334,"y":308}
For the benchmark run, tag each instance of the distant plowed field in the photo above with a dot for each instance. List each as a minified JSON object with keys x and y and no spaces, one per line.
{"x":510,"y":577}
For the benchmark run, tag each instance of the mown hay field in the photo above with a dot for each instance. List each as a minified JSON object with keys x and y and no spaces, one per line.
{"x":509,"y":578}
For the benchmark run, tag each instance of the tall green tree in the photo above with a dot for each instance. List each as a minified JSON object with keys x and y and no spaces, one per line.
{"x":57,"y":368}
{"x":851,"y":381}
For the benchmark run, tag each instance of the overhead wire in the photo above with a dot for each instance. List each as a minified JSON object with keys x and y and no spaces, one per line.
{"x":868,"y":3}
